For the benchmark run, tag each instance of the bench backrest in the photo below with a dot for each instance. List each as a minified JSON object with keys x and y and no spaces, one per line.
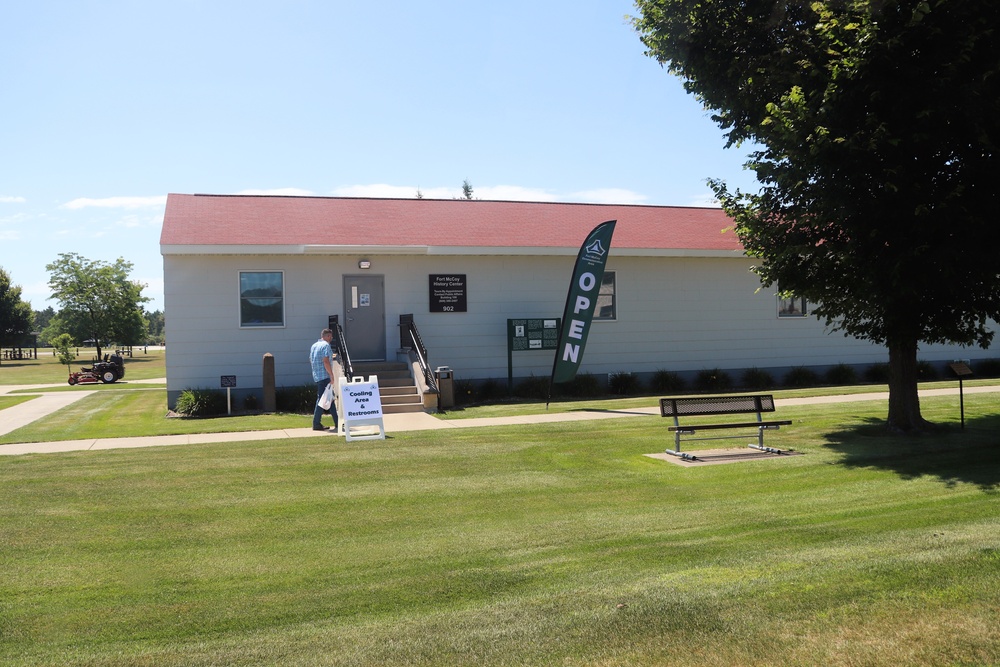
{"x":715,"y":405}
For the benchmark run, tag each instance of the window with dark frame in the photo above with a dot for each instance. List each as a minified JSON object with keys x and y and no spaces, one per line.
{"x":792,"y":306}
{"x":607,"y":306}
{"x":262,"y":299}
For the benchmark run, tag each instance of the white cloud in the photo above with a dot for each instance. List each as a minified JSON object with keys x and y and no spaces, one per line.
{"x":279,"y":192}
{"x":383,"y":190}
{"x":512,"y":193}
{"x":36,"y":294}
{"x":116,"y":202}
{"x":707,"y":200}
{"x":500,"y":193}
{"x":11,"y":200}
{"x":494,"y":192}
{"x":138,"y":220}
{"x":9,"y":235}
{"x":17,"y":219}
{"x":610,"y":196}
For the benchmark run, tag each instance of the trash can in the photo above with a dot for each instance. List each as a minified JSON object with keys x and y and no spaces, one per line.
{"x":446,"y":387}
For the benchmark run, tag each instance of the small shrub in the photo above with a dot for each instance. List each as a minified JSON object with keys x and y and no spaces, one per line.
{"x":533,"y":387}
{"x":300,"y":400}
{"x":754,"y":378}
{"x":465,"y":393}
{"x":713,"y":380}
{"x":987,"y":368}
{"x":584,"y":385}
{"x":877,"y":373}
{"x":926,"y":371}
{"x":624,"y":384}
{"x":491,"y":390}
{"x":800,"y":376}
{"x":201,"y":403}
{"x":666,"y":382}
{"x":250,"y":402}
{"x":840,"y":375}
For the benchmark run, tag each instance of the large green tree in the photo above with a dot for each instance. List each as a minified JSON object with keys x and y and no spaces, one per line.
{"x":98,"y":300}
{"x":876,"y":130}
{"x":156,"y":330}
{"x":16,"y":316}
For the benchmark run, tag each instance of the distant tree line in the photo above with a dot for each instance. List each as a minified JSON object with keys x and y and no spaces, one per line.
{"x":155,"y":326}
{"x":99,"y":305}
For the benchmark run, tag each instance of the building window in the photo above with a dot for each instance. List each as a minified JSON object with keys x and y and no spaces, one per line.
{"x":262,"y":299}
{"x":607,"y":307}
{"x":792,"y":306}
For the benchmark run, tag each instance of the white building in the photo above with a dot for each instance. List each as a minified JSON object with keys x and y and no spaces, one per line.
{"x":249,"y":275}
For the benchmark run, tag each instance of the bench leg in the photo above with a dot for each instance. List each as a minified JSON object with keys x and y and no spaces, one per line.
{"x":771,"y":450}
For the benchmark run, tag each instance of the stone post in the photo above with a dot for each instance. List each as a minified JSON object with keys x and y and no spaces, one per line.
{"x":269,"y":400}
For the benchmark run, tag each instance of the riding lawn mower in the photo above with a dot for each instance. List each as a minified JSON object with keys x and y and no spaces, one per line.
{"x":111,"y":369}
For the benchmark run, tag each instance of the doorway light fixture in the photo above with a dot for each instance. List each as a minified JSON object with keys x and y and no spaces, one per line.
{"x":364,"y":264}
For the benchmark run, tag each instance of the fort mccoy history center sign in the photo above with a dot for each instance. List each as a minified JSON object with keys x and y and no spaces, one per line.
{"x":448,"y":293}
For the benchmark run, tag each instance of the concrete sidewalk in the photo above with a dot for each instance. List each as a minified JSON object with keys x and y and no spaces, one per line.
{"x":393,"y":423}
{"x":43,"y":403}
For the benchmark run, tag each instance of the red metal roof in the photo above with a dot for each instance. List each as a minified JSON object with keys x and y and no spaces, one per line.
{"x":242,"y":220}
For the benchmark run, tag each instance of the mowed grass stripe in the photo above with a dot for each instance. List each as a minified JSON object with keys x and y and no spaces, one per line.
{"x":550,"y":544}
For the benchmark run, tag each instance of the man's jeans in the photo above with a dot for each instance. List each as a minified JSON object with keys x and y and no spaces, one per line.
{"x":318,"y":412}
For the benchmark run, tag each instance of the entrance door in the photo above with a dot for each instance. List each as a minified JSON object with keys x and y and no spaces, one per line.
{"x":364,"y":321}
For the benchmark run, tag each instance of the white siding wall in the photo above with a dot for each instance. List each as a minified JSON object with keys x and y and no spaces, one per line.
{"x":679,"y":314}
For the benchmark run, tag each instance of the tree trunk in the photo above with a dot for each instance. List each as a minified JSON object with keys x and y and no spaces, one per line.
{"x":904,"y":403}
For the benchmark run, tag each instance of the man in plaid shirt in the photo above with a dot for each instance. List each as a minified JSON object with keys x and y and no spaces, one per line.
{"x":321,"y":358}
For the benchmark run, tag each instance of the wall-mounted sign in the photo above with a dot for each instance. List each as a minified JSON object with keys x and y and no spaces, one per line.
{"x":529,"y":334}
{"x":448,"y":293}
{"x":533,"y":334}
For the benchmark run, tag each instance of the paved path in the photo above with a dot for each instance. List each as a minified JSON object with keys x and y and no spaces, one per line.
{"x":25,"y":413}
{"x":44,"y":402}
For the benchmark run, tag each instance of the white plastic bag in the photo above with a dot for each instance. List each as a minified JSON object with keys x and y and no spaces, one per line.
{"x":326,"y":400}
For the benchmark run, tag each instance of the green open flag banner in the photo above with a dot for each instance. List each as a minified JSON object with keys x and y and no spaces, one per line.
{"x":582,"y":301}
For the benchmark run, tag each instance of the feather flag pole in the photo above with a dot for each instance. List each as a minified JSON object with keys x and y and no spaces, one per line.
{"x":581,"y":301}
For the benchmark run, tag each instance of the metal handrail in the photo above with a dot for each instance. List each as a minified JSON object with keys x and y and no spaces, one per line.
{"x":342,"y":353}
{"x":409,"y":337}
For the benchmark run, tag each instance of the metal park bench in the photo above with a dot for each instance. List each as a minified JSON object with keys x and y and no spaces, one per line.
{"x":704,"y":406}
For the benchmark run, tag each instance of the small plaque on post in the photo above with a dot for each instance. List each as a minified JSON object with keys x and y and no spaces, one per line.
{"x":227,"y":381}
{"x":961,"y":369}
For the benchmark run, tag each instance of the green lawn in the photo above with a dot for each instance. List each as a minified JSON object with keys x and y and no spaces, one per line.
{"x":114,"y":413}
{"x":11,"y":401}
{"x":554,"y":544}
{"x":47,"y":369}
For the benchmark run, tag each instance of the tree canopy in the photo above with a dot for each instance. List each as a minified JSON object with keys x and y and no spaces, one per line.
{"x":98,"y":300}
{"x":16,"y":316}
{"x":876,"y":123}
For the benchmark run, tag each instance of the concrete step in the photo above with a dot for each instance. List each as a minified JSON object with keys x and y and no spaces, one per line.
{"x":402,"y":409}
{"x":403,"y":390}
{"x":395,"y":385}
{"x":367,"y":368}
{"x":399,"y":400}
{"x":394,"y":382}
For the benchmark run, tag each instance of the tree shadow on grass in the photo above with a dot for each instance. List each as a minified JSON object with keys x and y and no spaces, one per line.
{"x":949,"y":453}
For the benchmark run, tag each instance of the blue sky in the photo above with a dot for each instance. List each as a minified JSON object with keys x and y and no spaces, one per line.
{"x":109,"y":105}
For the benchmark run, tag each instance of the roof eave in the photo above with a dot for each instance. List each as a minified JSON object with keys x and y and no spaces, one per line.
{"x":523,"y":251}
